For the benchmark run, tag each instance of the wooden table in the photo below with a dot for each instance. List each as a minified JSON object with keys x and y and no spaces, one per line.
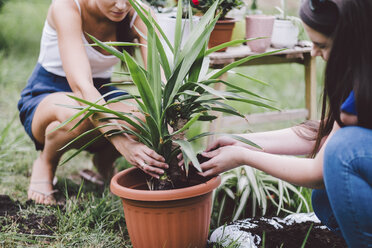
{"x":299,"y":54}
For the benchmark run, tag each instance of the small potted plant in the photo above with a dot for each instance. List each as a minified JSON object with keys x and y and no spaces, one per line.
{"x":258,"y":25}
{"x":178,"y":213}
{"x":223,"y":29}
{"x":286,"y":28}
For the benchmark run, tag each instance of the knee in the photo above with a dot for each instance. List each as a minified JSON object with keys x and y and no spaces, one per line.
{"x":342,"y":140}
{"x":73,"y":130}
{"x":342,"y":146}
{"x":54,"y":129}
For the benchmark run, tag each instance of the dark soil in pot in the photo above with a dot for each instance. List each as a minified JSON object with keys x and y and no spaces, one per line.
{"x":183,"y":179}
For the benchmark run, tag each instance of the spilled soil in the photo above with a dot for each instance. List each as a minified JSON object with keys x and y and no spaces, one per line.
{"x":291,"y":235}
{"x":294,"y":235}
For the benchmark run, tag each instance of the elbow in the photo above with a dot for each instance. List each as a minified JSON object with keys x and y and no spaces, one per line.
{"x":318,"y":185}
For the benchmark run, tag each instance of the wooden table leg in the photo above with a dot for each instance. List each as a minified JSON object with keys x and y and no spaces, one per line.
{"x":310,"y":86}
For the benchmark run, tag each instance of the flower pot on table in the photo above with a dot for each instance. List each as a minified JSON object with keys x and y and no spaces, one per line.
{"x":285,"y":34}
{"x":259,"y":26}
{"x":165,"y":218}
{"x":221,"y":33}
{"x":167,"y":22}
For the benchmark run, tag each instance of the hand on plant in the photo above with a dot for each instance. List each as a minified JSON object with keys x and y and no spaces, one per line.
{"x":221,"y":142}
{"x":222,"y":159}
{"x":141,"y":156}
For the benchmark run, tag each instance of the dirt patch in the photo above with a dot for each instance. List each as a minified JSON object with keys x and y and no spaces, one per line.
{"x":293,"y":235}
{"x":11,"y":214}
{"x":7,"y":206}
{"x":273,"y":232}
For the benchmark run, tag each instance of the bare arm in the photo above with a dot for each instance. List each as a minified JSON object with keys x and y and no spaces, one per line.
{"x":300,"y":171}
{"x":66,"y":19}
{"x":283,"y":141}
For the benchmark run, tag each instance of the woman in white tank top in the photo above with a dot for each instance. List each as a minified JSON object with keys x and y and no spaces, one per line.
{"x":66,"y":65}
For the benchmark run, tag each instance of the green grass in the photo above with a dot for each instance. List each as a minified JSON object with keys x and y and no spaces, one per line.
{"x":93,"y":218}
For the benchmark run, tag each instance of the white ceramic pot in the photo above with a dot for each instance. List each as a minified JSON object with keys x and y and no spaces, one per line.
{"x":167,"y":22}
{"x":285,"y":34}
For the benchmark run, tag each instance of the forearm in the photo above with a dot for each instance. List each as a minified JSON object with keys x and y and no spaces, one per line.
{"x":299,"y":171}
{"x":284,"y":141}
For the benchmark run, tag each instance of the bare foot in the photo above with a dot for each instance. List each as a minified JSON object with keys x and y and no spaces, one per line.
{"x":41,"y":183}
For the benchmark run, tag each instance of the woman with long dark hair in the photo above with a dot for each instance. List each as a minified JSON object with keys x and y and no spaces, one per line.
{"x":339,"y":167}
{"x":68,"y":65}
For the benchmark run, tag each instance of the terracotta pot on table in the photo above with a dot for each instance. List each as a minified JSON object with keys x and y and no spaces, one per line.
{"x":222,"y":33}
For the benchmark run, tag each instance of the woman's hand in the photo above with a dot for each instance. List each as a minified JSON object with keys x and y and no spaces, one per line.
{"x":222,"y":159}
{"x":221,"y":142}
{"x":140,"y":155}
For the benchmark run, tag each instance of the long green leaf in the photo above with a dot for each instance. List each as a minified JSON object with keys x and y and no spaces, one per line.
{"x":107,"y":48}
{"x":81,"y":149}
{"x":242,"y":204}
{"x":253,"y":102}
{"x":226,"y":44}
{"x":187,"y":59}
{"x":143,"y":14}
{"x":249,"y":77}
{"x":178,"y":31}
{"x":140,"y":80}
{"x":119,"y":43}
{"x":107,"y":110}
{"x":189,"y":152}
{"x":72,"y":118}
{"x":240,"y":89}
{"x":153,"y":67}
{"x":228,"y":111}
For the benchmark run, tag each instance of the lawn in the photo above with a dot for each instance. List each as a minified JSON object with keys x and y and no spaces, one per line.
{"x":89,"y":216}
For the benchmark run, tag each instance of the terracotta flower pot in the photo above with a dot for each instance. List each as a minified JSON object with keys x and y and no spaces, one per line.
{"x":165,"y":218}
{"x":221,"y":33}
{"x":259,"y":26}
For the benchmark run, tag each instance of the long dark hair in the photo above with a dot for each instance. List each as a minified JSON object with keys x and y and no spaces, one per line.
{"x":349,"y":67}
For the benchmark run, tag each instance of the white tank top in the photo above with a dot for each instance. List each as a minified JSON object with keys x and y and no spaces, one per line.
{"x":101,"y":65}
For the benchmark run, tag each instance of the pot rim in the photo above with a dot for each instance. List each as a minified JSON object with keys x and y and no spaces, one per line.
{"x":160,"y":195}
{"x":227,"y":20}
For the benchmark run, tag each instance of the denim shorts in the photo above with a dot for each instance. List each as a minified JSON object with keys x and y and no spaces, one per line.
{"x":41,"y":84}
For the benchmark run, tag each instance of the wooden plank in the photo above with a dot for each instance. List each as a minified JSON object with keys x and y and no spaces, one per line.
{"x":234,"y":53}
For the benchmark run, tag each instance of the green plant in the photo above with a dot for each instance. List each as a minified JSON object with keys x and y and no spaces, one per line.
{"x":157,"y":4}
{"x":283,"y":15}
{"x":253,"y":9}
{"x":170,"y":108}
{"x":223,"y":7}
{"x":245,"y":188}
{"x":2,"y":2}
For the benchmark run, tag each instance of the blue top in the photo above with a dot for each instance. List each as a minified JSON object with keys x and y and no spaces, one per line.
{"x":349,"y":105}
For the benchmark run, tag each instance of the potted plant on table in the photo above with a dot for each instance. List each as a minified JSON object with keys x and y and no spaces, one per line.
{"x":286,"y":28}
{"x":258,"y":25}
{"x":222,"y":31}
{"x":178,"y":217}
